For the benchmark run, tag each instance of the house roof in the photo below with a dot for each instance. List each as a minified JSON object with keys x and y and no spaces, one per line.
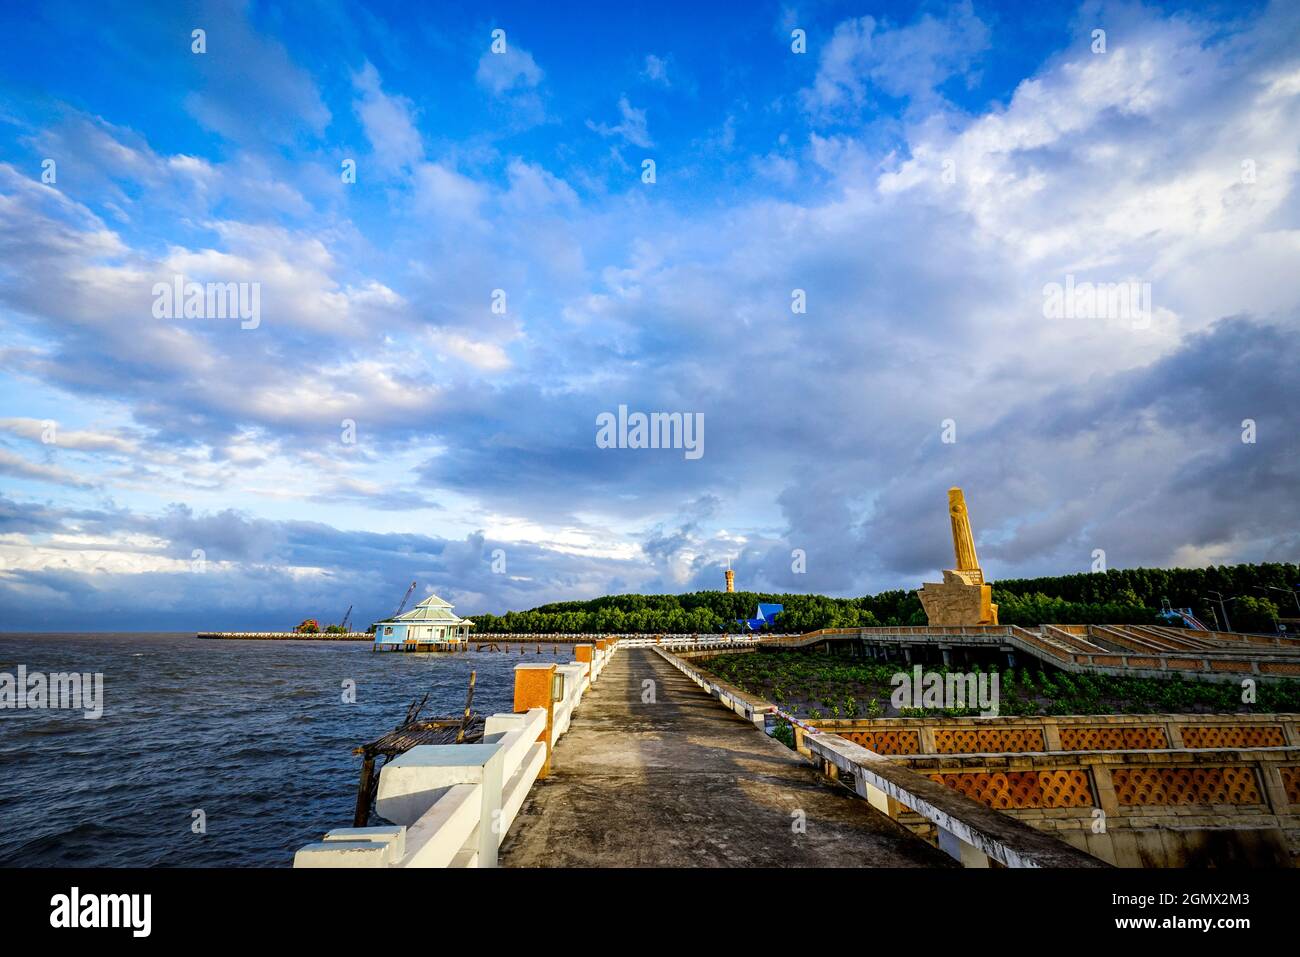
{"x":432,"y":608}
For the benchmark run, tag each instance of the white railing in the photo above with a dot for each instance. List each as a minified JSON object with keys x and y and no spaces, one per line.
{"x":452,"y":804}
{"x":687,"y":642}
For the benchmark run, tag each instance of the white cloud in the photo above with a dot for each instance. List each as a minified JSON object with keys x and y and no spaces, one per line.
{"x":511,"y":71}
{"x":487,"y":356}
{"x":533,"y":189}
{"x":656,"y":70}
{"x":388,"y":122}
{"x":632,"y":126}
{"x":15,"y":465}
{"x":86,"y":440}
{"x":442,"y":192}
{"x":248,"y":88}
{"x":866,"y":57}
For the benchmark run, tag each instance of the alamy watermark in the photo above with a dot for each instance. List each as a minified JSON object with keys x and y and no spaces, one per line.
{"x":945,"y":692}
{"x":67,"y":691}
{"x":653,"y":430}
{"x":1129,"y":300}
{"x":180,"y":299}
{"x":74,"y":909}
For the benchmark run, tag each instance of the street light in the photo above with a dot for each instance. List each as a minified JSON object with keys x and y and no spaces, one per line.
{"x":1292,"y":591}
{"x":1223,"y":607}
{"x":1263,"y":590}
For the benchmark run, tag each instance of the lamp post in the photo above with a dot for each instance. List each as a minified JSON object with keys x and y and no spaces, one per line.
{"x":1277,"y":622}
{"x":1292,"y":591}
{"x":1223,"y":607}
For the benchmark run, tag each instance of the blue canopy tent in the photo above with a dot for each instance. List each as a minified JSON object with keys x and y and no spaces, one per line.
{"x":766,"y":616}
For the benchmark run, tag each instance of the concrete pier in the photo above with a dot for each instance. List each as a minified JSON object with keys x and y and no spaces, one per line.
{"x":653,"y":773}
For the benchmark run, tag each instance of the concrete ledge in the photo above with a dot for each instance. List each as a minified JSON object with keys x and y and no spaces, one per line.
{"x":999,"y":837}
{"x":750,"y":707}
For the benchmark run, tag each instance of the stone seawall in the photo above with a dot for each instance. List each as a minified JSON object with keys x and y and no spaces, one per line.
{"x":284,"y":636}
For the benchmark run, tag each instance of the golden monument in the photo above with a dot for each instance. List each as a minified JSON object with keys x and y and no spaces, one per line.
{"x":731,"y":577}
{"x":963,"y":598}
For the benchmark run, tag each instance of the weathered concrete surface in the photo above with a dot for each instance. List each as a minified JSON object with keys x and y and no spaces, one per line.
{"x":683,"y":782}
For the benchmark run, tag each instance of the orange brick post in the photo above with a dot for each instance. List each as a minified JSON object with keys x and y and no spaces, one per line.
{"x":583,"y":654}
{"x":533,"y":689}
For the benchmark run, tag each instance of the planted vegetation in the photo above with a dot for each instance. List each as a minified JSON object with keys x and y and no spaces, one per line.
{"x":820,"y":686}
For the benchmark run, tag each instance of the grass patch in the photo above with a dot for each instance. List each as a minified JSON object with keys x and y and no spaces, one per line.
{"x":821,"y":686}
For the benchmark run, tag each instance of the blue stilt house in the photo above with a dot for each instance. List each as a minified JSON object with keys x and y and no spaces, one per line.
{"x":430,"y":625}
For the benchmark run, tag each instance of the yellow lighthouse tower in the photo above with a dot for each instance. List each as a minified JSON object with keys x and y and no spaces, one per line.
{"x":731,"y":577}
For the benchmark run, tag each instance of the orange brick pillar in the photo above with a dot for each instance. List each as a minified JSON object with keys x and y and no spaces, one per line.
{"x":533,"y":689}
{"x":583,"y":654}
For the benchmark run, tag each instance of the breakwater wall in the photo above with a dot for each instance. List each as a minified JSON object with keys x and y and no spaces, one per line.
{"x":284,"y":636}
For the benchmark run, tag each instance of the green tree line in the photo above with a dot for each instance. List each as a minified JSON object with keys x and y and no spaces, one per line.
{"x":1132,"y":595}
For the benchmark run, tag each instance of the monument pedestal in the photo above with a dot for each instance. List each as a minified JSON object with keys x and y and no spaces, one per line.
{"x":958,"y":601}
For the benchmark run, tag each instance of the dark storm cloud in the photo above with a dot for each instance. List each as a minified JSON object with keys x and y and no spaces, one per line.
{"x":1141,"y":464}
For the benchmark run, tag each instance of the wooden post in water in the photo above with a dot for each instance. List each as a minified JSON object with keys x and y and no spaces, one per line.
{"x":362,"y":813}
{"x":469,"y":701}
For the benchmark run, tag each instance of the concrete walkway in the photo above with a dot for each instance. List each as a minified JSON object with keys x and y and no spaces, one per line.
{"x":683,"y":782}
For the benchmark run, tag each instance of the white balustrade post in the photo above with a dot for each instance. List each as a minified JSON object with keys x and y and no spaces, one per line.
{"x":489,"y":816}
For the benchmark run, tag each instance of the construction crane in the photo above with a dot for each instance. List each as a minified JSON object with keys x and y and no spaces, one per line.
{"x":347,"y":619}
{"x":402,"y":606}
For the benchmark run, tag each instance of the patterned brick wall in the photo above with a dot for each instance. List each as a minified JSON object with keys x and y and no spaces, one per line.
{"x":988,"y":741}
{"x":1291,"y":784}
{"x":1233,"y":736}
{"x":886,"y":742}
{"x":1022,"y":789}
{"x":1112,"y":738}
{"x":1144,"y":787}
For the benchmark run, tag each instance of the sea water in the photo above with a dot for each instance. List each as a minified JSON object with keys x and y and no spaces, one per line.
{"x":210,"y":752}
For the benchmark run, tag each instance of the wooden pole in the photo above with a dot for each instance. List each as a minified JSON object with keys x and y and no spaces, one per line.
{"x":469,"y":702}
{"x":362,"y":813}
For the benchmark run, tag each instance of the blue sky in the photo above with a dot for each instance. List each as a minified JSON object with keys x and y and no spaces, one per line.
{"x":922,"y":173}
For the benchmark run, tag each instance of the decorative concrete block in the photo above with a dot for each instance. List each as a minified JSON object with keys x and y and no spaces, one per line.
{"x":394,"y":837}
{"x":412,"y":782}
{"x":343,"y":854}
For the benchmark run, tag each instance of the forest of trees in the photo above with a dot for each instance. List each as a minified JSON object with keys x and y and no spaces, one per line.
{"x":1255,"y":595}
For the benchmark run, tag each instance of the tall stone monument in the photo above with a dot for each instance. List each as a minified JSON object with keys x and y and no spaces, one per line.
{"x":963,"y":598}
